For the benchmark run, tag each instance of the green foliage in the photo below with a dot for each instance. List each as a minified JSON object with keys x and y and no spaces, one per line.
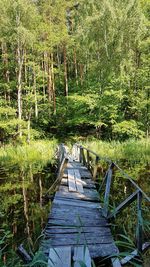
{"x":127,"y":129}
{"x":40,"y":152}
{"x":131,"y":150}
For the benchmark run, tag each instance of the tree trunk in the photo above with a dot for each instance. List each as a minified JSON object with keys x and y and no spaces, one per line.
{"x":49,"y":82}
{"x":35,"y":94}
{"x":65,"y":71}
{"x":29,"y":123}
{"x":6,"y":70}
{"x":19,"y":78}
{"x":53,"y":83}
{"x":81,"y":73}
{"x":75,"y":66}
{"x":43,"y":76}
{"x":106,"y":45}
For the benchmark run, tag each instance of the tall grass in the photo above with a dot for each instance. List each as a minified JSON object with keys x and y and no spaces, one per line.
{"x":38,"y":152}
{"x":131,"y":150}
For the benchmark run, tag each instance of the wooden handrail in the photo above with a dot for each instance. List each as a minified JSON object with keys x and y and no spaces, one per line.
{"x":131,"y":180}
{"x":111,"y":162}
{"x":137,"y":195}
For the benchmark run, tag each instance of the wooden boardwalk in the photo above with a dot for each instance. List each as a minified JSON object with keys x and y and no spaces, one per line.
{"x":76,"y":220}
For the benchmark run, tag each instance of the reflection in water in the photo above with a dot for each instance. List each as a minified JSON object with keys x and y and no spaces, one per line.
{"x":25,"y":201}
{"x":22,"y":215}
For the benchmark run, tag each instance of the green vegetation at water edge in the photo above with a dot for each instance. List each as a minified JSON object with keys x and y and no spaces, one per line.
{"x":37,"y":152}
{"x":131,"y":150}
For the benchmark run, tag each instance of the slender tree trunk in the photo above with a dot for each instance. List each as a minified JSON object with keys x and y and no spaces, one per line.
{"x":65,"y":71}
{"x":31,"y":173}
{"x":20,"y":64}
{"x":43,"y":77}
{"x":35,"y":94}
{"x":49,"y":82}
{"x":76,"y":66}
{"x":25,"y":67}
{"x":106,"y":45}
{"x":28,"y":127}
{"x":6,"y":70}
{"x":147,"y":114}
{"x":53,"y":83}
{"x":81,"y":73}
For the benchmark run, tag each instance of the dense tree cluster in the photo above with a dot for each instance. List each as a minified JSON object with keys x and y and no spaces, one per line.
{"x":72,"y":67}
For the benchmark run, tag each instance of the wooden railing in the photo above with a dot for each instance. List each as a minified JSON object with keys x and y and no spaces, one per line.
{"x":85,"y":156}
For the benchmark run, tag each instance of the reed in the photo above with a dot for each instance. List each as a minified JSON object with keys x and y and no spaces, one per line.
{"x":131,"y":150}
{"x":37,"y":152}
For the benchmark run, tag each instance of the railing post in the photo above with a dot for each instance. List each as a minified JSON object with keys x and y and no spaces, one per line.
{"x":81,"y":154}
{"x":107,"y":189}
{"x":95,"y":168}
{"x":83,"y":158}
{"x":88,"y":159}
{"x":76,"y":153}
{"x":139,"y":222}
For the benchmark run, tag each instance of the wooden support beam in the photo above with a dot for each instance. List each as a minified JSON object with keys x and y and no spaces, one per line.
{"x":88,"y":160}
{"x":107,"y":190}
{"x":81,"y":154}
{"x":81,"y":257}
{"x":23,"y":254}
{"x":139,"y":222}
{"x":95,"y":168}
{"x":59,"y":256}
{"x":115,"y":262}
{"x":83,"y":158}
{"x":134,"y":253}
{"x":124,"y":204}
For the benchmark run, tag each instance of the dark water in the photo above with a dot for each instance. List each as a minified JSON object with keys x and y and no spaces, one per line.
{"x":23,"y":213}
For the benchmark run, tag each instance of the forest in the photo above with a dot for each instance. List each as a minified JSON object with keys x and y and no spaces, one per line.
{"x":74,"y":69}
{"x":70,"y":71}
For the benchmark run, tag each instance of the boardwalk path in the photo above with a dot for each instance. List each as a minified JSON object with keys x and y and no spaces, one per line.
{"x":76,"y":216}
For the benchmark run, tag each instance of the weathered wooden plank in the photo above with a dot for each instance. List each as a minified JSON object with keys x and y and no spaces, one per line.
{"x":78,"y":181}
{"x":76,"y":217}
{"x":74,"y":203}
{"x":71,"y":181}
{"x":81,"y":255}
{"x":81,"y":229}
{"x":60,"y":256}
{"x":76,"y":195}
{"x":98,"y":250}
{"x":96,"y":238}
{"x":115,"y":262}
{"x":56,"y":208}
{"x":76,"y":222}
{"x":87,"y":183}
{"x":60,"y":210}
{"x":85,"y":174}
{"x":76,"y":165}
{"x":88,"y":194}
{"x":77,"y":239}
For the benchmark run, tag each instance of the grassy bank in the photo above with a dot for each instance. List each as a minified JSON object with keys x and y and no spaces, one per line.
{"x":131,"y":150}
{"x":37,"y":152}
